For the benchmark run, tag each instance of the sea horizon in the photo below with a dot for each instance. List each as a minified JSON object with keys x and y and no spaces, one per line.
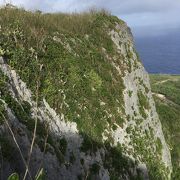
{"x":160,"y":54}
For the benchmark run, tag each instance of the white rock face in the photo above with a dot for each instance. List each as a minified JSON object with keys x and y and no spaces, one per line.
{"x":135,"y":81}
{"x":58,"y":127}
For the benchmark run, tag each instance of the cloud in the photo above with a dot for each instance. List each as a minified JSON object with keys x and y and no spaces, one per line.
{"x":116,"y":6}
{"x":141,"y":6}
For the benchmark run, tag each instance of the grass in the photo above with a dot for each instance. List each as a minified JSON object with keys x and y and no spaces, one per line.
{"x":75,"y":75}
{"x":170,"y":88}
{"x":80,"y":74}
{"x":42,"y":24}
{"x":169,"y":113}
{"x":143,"y":104}
{"x":64,"y":53}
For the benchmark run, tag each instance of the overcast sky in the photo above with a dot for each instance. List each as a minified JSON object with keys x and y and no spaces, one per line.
{"x":145,"y":17}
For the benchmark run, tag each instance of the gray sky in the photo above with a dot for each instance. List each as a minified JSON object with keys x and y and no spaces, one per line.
{"x":145,"y":17}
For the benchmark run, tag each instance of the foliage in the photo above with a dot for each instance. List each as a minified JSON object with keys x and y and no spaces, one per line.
{"x":63,"y":145}
{"x":170,"y":88}
{"x":143,"y":104}
{"x":7,"y":149}
{"x":13,"y":176}
{"x":143,"y":100}
{"x":39,"y":176}
{"x":64,"y":52}
{"x":95,"y":168}
{"x":169,"y":113}
{"x":95,"y":80}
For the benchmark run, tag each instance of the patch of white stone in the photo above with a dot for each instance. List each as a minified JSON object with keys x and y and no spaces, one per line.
{"x":132,"y":84}
{"x":58,"y":126}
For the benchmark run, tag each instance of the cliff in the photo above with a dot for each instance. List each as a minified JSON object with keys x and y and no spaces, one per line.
{"x":79,"y":80}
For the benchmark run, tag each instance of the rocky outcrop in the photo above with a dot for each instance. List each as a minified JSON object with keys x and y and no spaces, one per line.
{"x":58,"y":129}
{"x":127,"y":142}
{"x":138,"y":80}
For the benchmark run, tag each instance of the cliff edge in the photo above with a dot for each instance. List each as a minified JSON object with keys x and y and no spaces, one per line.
{"x":78,"y":78}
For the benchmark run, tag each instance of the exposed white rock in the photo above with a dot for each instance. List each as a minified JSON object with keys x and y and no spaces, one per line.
{"x":161,"y":96}
{"x":59,"y":127}
{"x":132,"y":84}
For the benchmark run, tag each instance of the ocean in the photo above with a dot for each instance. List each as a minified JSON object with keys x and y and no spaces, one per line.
{"x":160,"y":54}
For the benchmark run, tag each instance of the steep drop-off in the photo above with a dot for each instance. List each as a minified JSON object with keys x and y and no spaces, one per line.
{"x":79,"y":77}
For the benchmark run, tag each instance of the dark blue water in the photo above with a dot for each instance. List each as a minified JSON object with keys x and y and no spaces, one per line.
{"x":160,"y":54}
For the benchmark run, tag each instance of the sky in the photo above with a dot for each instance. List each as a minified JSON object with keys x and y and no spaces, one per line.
{"x":145,"y":17}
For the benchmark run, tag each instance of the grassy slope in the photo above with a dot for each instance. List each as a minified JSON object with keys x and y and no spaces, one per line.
{"x":41,"y":52}
{"x":168,"y":109}
{"x":73,"y":80}
{"x":67,"y":76}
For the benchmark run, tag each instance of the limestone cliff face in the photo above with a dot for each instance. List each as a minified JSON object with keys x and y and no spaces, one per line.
{"x":137,"y":86}
{"x":103,"y":125}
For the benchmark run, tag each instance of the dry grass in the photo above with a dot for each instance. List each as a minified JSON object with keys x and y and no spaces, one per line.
{"x":36,"y":26}
{"x":39,"y":23}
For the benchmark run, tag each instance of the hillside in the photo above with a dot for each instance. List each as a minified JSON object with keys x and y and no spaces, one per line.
{"x":166,"y":91}
{"x":75,"y":100}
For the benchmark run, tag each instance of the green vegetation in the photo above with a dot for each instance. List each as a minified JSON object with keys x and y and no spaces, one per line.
{"x":39,"y":176}
{"x":159,"y":145}
{"x":130,"y":93}
{"x":63,"y":53}
{"x":13,"y":176}
{"x":88,"y":144}
{"x":63,"y":145}
{"x":119,"y":165}
{"x":95,"y":80}
{"x":7,"y":148}
{"x":95,"y":168}
{"x":63,"y":57}
{"x":1,"y":112}
{"x":168,"y":109}
{"x":23,"y":113}
{"x":143,"y":104}
{"x":156,"y":168}
{"x":168,"y":86}
{"x":143,"y":100}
